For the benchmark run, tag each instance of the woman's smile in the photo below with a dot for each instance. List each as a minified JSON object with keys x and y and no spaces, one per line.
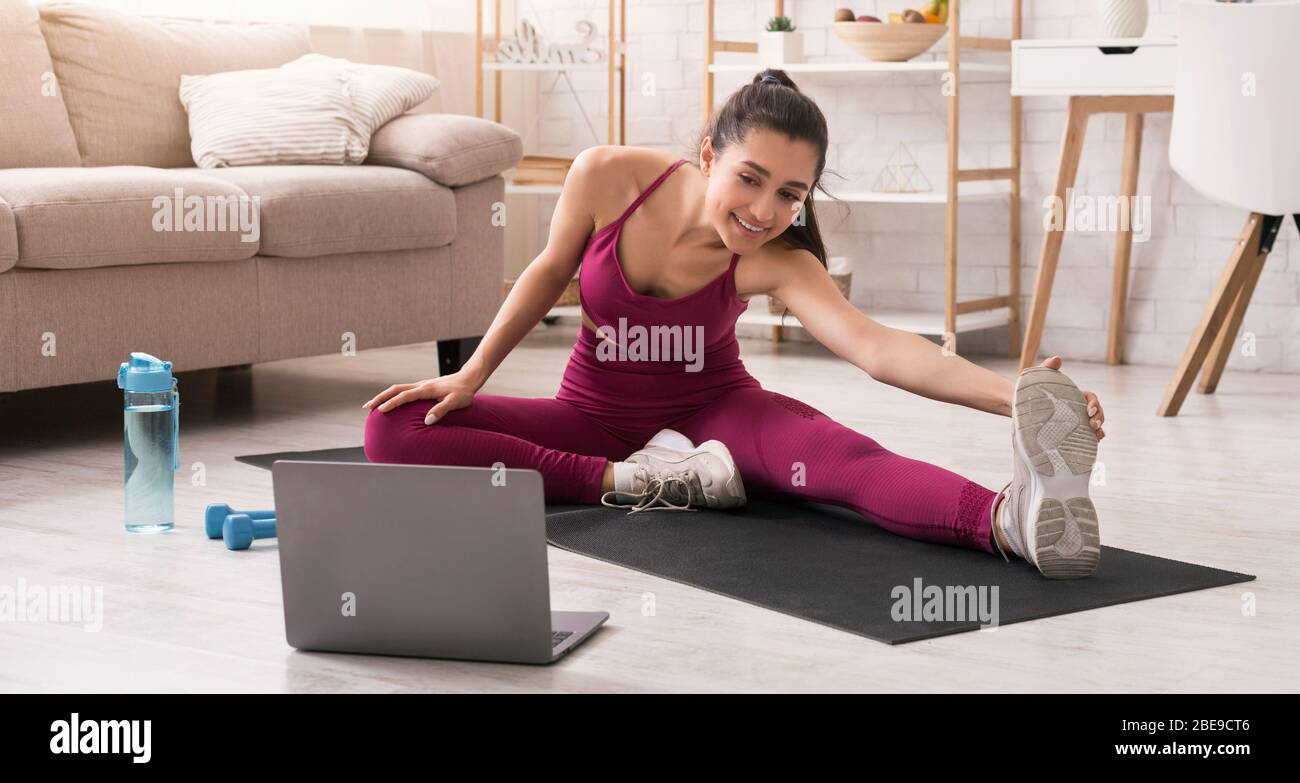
{"x":750,"y":229}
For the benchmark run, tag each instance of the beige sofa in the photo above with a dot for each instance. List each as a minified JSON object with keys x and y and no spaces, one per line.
{"x":94,"y":146}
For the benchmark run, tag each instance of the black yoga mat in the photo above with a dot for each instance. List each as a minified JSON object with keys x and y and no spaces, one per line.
{"x":345,"y":454}
{"x":829,"y":565}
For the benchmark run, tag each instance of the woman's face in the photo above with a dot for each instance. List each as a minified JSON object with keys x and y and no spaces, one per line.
{"x":762,"y":182}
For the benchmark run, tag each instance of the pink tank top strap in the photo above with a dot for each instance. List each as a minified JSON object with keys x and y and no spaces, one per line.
{"x":646,"y":193}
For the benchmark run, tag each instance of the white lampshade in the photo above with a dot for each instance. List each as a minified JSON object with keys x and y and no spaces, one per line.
{"x":1236,"y":123}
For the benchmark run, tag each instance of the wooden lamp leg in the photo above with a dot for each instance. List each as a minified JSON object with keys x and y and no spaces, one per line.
{"x":1124,"y":238}
{"x":1216,"y":312}
{"x":1223,"y":344}
{"x":1076,"y":125}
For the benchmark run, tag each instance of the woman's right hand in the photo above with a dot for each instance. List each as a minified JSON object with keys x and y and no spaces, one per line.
{"x":452,"y":391}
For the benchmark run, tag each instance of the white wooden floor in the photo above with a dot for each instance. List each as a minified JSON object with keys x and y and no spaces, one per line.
{"x":1217,"y":485}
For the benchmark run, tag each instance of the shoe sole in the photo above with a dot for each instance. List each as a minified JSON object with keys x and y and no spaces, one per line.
{"x":1055,"y":448}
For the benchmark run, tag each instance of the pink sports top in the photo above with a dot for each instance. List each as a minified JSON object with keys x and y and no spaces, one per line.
{"x":689,"y":342}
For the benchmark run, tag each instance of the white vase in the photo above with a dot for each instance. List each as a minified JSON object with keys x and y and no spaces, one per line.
{"x":1122,"y":18}
{"x":778,"y":48}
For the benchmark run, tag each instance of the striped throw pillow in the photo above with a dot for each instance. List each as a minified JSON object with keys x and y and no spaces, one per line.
{"x":316,"y":109}
{"x":267,"y":116}
{"x":379,"y":92}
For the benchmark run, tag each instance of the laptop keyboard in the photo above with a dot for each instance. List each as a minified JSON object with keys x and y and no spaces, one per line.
{"x":559,"y":636}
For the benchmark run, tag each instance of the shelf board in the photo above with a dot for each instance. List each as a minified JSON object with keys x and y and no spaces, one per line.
{"x":548,"y":190}
{"x":981,"y":190}
{"x":921,"y":322}
{"x":488,"y":66}
{"x":967,"y":191}
{"x":1053,"y":43}
{"x":864,"y":66}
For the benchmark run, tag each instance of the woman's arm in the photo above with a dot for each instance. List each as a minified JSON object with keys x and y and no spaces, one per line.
{"x":543,"y":281}
{"x":898,"y":358}
{"x":911,"y":362}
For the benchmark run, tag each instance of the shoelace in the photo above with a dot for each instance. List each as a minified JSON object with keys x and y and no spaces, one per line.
{"x":663,"y":488}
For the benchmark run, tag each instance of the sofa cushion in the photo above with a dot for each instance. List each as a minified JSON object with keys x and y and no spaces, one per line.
{"x":121,"y":74}
{"x":8,"y":237}
{"x":322,"y":210}
{"x":193,"y":315}
{"x":451,"y":149}
{"x":34,"y":129}
{"x":71,"y":218}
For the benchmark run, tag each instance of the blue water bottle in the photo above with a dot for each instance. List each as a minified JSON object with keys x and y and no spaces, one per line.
{"x":151,"y":440}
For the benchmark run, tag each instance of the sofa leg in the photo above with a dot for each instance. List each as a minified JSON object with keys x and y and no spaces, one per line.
{"x":452,"y":354}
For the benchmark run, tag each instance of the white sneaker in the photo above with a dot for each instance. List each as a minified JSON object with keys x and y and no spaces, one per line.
{"x":665,"y":438}
{"x":1047,"y":516}
{"x":672,"y":474}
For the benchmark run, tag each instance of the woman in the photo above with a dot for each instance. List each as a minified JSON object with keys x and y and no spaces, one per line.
{"x":680,"y":268}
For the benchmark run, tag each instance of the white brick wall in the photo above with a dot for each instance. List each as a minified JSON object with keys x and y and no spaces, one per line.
{"x":897,"y":251}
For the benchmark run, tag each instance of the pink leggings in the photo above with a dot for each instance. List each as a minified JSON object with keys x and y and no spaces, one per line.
{"x":783,"y":448}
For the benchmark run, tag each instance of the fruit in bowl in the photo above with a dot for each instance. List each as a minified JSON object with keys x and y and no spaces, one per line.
{"x":905,"y":36}
{"x":935,"y":12}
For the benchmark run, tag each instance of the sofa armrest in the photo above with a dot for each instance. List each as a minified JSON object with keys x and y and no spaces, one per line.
{"x":450,"y":149}
{"x":8,"y":237}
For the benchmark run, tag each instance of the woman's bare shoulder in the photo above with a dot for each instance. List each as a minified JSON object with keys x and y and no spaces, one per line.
{"x":778,"y":253}
{"x":617,"y":175}
{"x":764,"y":270}
{"x":638,"y":164}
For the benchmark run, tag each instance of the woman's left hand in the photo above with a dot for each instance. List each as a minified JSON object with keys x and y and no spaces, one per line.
{"x":1096,"y":415}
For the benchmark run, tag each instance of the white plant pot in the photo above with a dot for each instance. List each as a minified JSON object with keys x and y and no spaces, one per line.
{"x":1122,"y":18}
{"x":777,"y":49}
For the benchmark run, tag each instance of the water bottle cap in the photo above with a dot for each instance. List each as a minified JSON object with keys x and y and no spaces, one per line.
{"x":145,"y":373}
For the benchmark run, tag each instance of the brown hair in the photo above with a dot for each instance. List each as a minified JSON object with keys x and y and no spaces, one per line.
{"x":780,"y":107}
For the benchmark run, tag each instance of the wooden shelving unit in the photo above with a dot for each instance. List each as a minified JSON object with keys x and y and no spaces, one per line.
{"x":615,"y":66}
{"x":957,"y":316}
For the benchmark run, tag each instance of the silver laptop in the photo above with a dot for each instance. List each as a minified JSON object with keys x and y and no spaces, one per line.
{"x":419,"y":560}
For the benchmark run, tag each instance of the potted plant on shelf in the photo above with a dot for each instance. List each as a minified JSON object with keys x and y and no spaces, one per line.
{"x":780,"y":44}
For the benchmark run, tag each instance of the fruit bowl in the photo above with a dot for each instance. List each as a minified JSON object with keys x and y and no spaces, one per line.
{"x":890,"y":42}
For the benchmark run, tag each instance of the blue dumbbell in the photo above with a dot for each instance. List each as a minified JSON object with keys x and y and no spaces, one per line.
{"x":239,"y":530}
{"x":215,"y":515}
